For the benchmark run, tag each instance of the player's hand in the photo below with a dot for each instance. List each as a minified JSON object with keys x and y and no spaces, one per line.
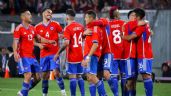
{"x":41,"y":46}
{"x":87,"y":32}
{"x":16,"y":57}
{"x":85,"y":62}
{"x":51,"y":41}
{"x":55,"y":57}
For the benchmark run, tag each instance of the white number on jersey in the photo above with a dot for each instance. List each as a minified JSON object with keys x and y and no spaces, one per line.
{"x":30,"y":37}
{"x":116,"y":36}
{"x":77,"y":40}
{"x":47,"y":34}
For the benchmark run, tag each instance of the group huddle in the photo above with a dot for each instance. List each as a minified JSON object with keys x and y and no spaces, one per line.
{"x":103,"y":50}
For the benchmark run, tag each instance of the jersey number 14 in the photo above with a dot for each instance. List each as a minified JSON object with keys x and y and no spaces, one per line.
{"x":77,"y":40}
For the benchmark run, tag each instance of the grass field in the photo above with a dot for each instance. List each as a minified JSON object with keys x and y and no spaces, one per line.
{"x":9,"y":87}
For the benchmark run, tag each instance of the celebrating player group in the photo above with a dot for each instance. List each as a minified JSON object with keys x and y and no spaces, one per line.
{"x":103,"y":49}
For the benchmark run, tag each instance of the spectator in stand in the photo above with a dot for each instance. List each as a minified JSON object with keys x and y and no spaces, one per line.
{"x":12,"y":64}
{"x":166,"y":70}
{"x":3,"y":61}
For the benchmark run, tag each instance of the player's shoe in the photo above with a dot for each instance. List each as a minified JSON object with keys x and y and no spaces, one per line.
{"x":63,"y":93}
{"x":19,"y":93}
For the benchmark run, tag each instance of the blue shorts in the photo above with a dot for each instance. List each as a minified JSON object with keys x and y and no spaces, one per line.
{"x":121,"y":65}
{"x":28,"y":65}
{"x":92,"y":65}
{"x":105,"y":62}
{"x":74,"y":68}
{"x":145,"y":66}
{"x":48,"y":64}
{"x":114,"y":68}
{"x":131,"y":68}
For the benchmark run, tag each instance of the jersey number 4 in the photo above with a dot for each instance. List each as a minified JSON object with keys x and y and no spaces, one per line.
{"x":77,"y":39}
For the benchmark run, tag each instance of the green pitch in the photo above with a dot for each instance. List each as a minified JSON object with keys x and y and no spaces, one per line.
{"x":9,"y":87}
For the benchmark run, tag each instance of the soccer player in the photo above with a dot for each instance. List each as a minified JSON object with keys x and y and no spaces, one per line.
{"x":106,"y":66}
{"x":130,"y":56}
{"x":49,"y":29}
{"x":23,"y":46}
{"x":73,"y":43}
{"x":117,"y":44}
{"x":92,"y":53}
{"x":144,"y":51}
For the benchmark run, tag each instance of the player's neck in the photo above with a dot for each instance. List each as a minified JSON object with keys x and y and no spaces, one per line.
{"x":25,"y":24}
{"x":70,"y":21}
{"x":45,"y":21}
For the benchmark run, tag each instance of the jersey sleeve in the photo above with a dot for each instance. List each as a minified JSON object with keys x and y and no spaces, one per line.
{"x":16,"y":34}
{"x":66,"y":34}
{"x":95,"y":36}
{"x":139,"y":30}
{"x":133,"y":25}
{"x":58,"y":27}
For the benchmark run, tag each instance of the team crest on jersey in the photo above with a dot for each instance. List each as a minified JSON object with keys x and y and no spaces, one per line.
{"x":25,"y":33}
{"x":51,"y":28}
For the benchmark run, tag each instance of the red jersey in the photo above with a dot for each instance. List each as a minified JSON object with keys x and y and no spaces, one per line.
{"x":73,"y":32}
{"x":115,"y":38}
{"x":143,"y":42}
{"x":104,"y":25}
{"x":26,"y":42}
{"x":95,"y":37}
{"x":49,"y":32}
{"x":129,"y":46}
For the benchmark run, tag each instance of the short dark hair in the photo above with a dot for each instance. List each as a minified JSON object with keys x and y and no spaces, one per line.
{"x":91,"y":13}
{"x":111,"y":12}
{"x":23,"y":11}
{"x":129,"y":13}
{"x":45,"y":9}
{"x":139,"y":12}
{"x":70,"y":12}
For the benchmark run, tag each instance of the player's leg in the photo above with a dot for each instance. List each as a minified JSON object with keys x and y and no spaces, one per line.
{"x":72,"y":70}
{"x":45,"y":69}
{"x":54,"y":65}
{"x":121,"y":65}
{"x":145,"y":68}
{"x":25,"y":68}
{"x":111,"y":73}
{"x":80,"y":79}
{"x":131,"y":77}
{"x":91,"y":71}
{"x":35,"y":68}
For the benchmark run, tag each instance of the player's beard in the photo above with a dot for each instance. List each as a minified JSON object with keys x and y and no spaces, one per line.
{"x":48,"y":18}
{"x":29,"y":21}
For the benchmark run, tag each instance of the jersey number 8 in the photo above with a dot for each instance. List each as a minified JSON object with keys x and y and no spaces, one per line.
{"x":116,"y":36}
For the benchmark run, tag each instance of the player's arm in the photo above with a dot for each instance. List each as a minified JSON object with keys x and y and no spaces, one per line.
{"x":129,"y":37}
{"x":15,"y":47}
{"x":93,"y":49}
{"x":64,"y":46}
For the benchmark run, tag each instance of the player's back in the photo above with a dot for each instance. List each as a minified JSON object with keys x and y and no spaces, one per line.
{"x":116,"y":41}
{"x":105,"y":36}
{"x":49,"y":32}
{"x":143,"y":42}
{"x":73,"y":32}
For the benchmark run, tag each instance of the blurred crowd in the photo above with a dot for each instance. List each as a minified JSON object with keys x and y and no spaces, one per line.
{"x":12,"y":7}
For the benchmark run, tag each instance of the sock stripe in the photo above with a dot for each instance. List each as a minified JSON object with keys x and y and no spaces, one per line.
{"x":148,"y":80}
